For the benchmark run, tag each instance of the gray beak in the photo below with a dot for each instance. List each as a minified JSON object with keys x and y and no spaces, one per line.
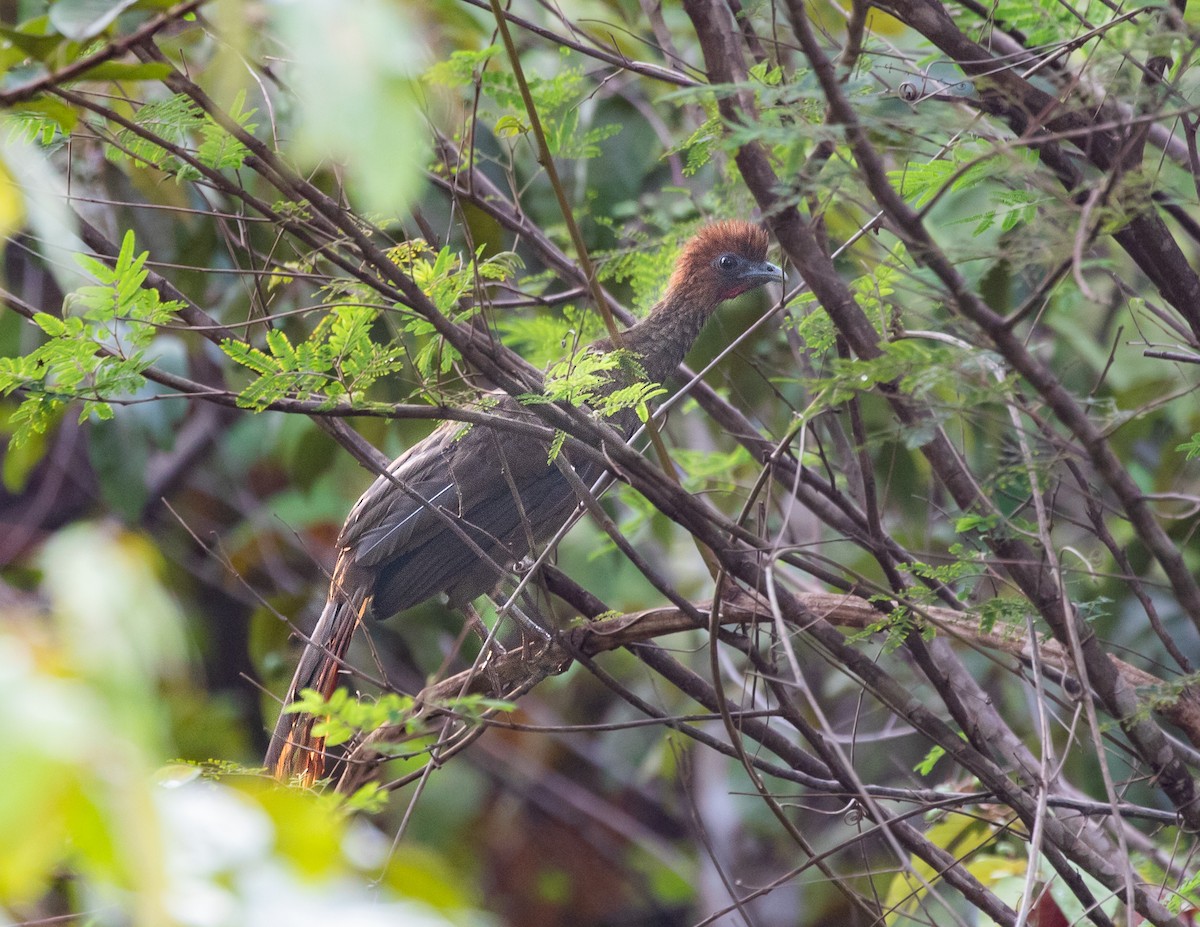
{"x":760,"y":273}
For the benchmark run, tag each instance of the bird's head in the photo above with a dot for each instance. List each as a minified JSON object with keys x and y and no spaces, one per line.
{"x":724,"y":260}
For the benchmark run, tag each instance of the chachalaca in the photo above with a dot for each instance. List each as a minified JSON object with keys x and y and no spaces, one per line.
{"x":455,"y":511}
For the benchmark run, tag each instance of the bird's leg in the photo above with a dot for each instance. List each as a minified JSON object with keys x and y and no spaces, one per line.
{"x":486,"y":637}
{"x":489,"y":645}
{"x":528,"y":624}
{"x":529,"y":627}
{"x":508,"y":606}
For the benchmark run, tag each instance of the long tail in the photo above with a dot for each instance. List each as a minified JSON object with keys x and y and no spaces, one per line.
{"x":294,"y":751}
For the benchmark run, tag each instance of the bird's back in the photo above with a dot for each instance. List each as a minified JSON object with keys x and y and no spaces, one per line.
{"x":452,"y":514}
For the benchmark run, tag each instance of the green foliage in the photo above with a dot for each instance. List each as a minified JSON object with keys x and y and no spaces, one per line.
{"x":1014,"y":207}
{"x":463,"y":68}
{"x":587,"y":378}
{"x":815,"y":328}
{"x":96,"y":352}
{"x":544,"y":337}
{"x":1187,"y":896}
{"x":180,"y":127}
{"x":873,"y":291}
{"x":1045,"y":22}
{"x":1191,"y":447}
{"x":555,"y":98}
{"x":337,"y":363}
{"x":20,"y":458}
{"x":1167,"y":695}
{"x":916,"y":368}
{"x":698,"y":148}
{"x":781,"y":99}
{"x":930,"y":760}
{"x":975,"y":522}
{"x":566,"y":140}
{"x":446,"y":279}
{"x":972,"y":166}
{"x":343,"y":716}
{"x":919,"y":183}
{"x":646,"y":268}
{"x":1003,"y":611}
{"x":709,"y":470}
{"x":897,"y":626}
{"x":371,"y":798}
{"x":45,"y":121}
{"x":949,"y":573}
{"x":86,"y":794}
{"x":1092,"y":609}
{"x":581,"y":378}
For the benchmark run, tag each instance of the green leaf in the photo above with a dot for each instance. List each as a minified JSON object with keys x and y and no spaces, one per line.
{"x":462,"y":68}
{"x":982,"y":523}
{"x":20,"y":458}
{"x":919,"y":183}
{"x":360,"y":109}
{"x":337,"y":362}
{"x":52,"y":325}
{"x":43,"y":119}
{"x":508,"y":126}
{"x":128,"y":71}
{"x":765,"y":73}
{"x":38,"y":46}
{"x":925,"y":766}
{"x":371,"y":798}
{"x":282,"y":348}
{"x":182,"y":124}
{"x":556,"y":445}
{"x":96,"y":352}
{"x":249,"y":356}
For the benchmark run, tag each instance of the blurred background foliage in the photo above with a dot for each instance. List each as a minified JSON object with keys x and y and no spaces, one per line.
{"x":165,"y":515}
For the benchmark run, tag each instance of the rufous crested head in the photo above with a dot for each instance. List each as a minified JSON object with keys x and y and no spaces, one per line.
{"x":721,"y":261}
{"x":700,"y":267}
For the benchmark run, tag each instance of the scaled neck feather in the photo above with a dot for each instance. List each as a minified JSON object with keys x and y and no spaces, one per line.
{"x":662,"y":339}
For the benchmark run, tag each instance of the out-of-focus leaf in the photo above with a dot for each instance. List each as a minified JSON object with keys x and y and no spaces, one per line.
{"x":354,"y":80}
{"x":12,"y":207}
{"x":36,"y":45}
{"x":128,"y":70}
{"x":120,"y":626}
{"x":81,"y":19}
{"x":19,"y":459}
{"x":962,"y":835}
{"x":43,"y":196}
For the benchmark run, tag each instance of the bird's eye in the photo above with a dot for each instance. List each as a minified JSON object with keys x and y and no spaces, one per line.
{"x":727,"y":262}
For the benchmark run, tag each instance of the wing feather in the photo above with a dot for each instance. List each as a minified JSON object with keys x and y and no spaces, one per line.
{"x":421,"y":528}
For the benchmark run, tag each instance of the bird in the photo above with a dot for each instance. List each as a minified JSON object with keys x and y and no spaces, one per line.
{"x":456,"y":510}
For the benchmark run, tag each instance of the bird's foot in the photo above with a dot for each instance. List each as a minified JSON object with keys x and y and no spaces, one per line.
{"x":487,"y":638}
{"x":529,"y":627}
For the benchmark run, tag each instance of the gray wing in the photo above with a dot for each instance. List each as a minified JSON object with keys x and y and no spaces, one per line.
{"x":452,"y":515}
{"x":396,"y":507}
